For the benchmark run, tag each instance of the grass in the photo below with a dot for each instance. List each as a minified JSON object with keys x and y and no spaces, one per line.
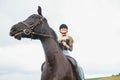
{"x":93,"y":79}
{"x":117,"y":77}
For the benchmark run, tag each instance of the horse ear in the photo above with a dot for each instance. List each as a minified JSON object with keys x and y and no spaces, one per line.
{"x":39,"y":10}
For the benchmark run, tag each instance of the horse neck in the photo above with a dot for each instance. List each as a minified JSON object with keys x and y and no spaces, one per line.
{"x":52,"y":51}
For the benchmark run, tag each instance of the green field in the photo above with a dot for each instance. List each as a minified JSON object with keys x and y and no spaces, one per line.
{"x":106,"y":78}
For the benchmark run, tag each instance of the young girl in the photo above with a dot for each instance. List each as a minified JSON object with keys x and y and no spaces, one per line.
{"x":65,"y":40}
{"x":66,"y":44}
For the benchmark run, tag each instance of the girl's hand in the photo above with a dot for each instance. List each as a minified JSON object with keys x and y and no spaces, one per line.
{"x":64,"y":43}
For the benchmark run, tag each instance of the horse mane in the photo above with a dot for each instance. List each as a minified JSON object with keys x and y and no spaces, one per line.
{"x":54,"y":35}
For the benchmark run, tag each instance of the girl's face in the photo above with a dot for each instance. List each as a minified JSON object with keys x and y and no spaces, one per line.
{"x":63,"y":30}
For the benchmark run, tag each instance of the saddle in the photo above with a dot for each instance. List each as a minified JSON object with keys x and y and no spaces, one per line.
{"x":75,"y":68}
{"x":72,"y":62}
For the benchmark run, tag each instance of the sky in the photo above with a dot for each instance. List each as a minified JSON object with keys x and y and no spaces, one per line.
{"x":93,"y":24}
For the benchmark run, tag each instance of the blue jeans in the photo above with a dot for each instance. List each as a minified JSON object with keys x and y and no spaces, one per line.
{"x":66,"y":53}
{"x":81,"y":73}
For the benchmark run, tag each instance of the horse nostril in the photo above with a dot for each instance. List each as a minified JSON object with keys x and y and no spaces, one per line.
{"x":13,"y":29}
{"x":11,"y":33}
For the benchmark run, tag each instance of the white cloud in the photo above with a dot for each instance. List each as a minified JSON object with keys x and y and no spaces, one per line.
{"x":26,"y":56}
{"x":20,"y":77}
{"x":21,"y":61}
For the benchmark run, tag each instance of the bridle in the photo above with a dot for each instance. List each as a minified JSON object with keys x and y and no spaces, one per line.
{"x":30,"y":28}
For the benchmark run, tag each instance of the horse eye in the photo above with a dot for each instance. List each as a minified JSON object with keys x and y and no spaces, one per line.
{"x":31,"y":23}
{"x":44,"y":19}
{"x":32,"y":16}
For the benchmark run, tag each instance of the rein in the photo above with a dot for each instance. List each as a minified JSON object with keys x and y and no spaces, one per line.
{"x":29,"y":28}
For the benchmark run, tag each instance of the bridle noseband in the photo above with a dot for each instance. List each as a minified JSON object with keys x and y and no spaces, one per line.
{"x":29,"y":28}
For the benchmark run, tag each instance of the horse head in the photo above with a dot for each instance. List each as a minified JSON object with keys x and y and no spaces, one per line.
{"x":34,"y":27}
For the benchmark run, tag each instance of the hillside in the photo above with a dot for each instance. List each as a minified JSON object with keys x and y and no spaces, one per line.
{"x":106,"y":78}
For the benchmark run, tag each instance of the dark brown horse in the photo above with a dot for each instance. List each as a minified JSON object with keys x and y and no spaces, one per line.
{"x":56,"y":67}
